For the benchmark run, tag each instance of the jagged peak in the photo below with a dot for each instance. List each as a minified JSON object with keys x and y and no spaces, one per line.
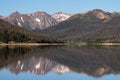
{"x":61,"y":16}
{"x":38,"y":13}
{"x":15,"y":13}
{"x":97,"y":10}
{"x":61,"y":13}
{"x":41,"y":13}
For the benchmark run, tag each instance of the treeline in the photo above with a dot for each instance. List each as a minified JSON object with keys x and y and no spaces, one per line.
{"x":11,"y":33}
{"x":86,"y":27}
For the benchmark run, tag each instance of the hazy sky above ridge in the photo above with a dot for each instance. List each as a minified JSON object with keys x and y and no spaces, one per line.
{"x":52,"y":6}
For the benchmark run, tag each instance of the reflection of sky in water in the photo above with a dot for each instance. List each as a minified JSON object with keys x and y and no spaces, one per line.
{"x":6,"y":75}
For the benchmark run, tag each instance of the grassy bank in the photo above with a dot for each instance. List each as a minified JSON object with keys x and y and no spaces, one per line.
{"x":31,"y":44}
{"x":55,"y":44}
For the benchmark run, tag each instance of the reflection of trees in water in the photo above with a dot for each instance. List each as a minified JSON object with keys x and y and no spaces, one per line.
{"x":95,"y":61}
{"x":12,"y":54}
{"x":8,"y":55}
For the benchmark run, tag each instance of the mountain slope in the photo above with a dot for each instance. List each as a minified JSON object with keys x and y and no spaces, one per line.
{"x":80,"y":25}
{"x":111,"y":34}
{"x":34,"y":21}
{"x":9,"y":32}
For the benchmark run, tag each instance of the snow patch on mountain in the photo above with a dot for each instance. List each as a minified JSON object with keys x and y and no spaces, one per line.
{"x":22,"y":19}
{"x":60,"y":16}
{"x":37,"y":19}
{"x":19,"y":24}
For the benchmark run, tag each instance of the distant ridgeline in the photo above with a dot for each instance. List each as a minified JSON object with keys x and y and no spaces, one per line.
{"x":11,"y":33}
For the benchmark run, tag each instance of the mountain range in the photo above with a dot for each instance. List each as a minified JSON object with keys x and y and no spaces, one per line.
{"x":92,"y":26}
{"x":35,"y":21}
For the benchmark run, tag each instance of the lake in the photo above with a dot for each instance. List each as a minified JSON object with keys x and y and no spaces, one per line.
{"x":60,"y":63}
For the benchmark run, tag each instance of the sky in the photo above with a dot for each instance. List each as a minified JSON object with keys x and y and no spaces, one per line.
{"x":53,"y":6}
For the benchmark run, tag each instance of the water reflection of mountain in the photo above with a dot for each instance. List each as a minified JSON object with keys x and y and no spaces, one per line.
{"x":37,"y":65}
{"x":91,"y":60}
{"x":12,"y":54}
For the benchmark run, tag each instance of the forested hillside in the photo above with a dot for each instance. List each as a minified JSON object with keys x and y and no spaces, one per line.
{"x":9,"y":32}
{"x":89,"y":26}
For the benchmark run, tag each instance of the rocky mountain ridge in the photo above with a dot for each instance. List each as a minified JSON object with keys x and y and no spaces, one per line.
{"x":35,"y":21}
{"x":81,"y":26}
{"x":61,"y":16}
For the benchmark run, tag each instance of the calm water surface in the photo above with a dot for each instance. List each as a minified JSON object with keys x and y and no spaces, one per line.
{"x":60,"y":63}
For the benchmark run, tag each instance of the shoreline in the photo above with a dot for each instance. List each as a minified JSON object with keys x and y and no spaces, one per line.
{"x":106,"y":44}
{"x":99,"y":44}
{"x":31,"y":44}
{"x":59,"y":44}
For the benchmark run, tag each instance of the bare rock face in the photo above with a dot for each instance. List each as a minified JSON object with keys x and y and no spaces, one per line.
{"x":60,"y":16}
{"x":1,"y":17}
{"x":100,"y":14}
{"x":34,"y":21}
{"x":42,"y":20}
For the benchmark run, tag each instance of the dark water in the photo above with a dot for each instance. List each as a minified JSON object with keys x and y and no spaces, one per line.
{"x":60,"y":63}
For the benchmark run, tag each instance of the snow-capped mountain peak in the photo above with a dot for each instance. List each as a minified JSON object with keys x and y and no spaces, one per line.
{"x":34,"y":21}
{"x":61,"y":16}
